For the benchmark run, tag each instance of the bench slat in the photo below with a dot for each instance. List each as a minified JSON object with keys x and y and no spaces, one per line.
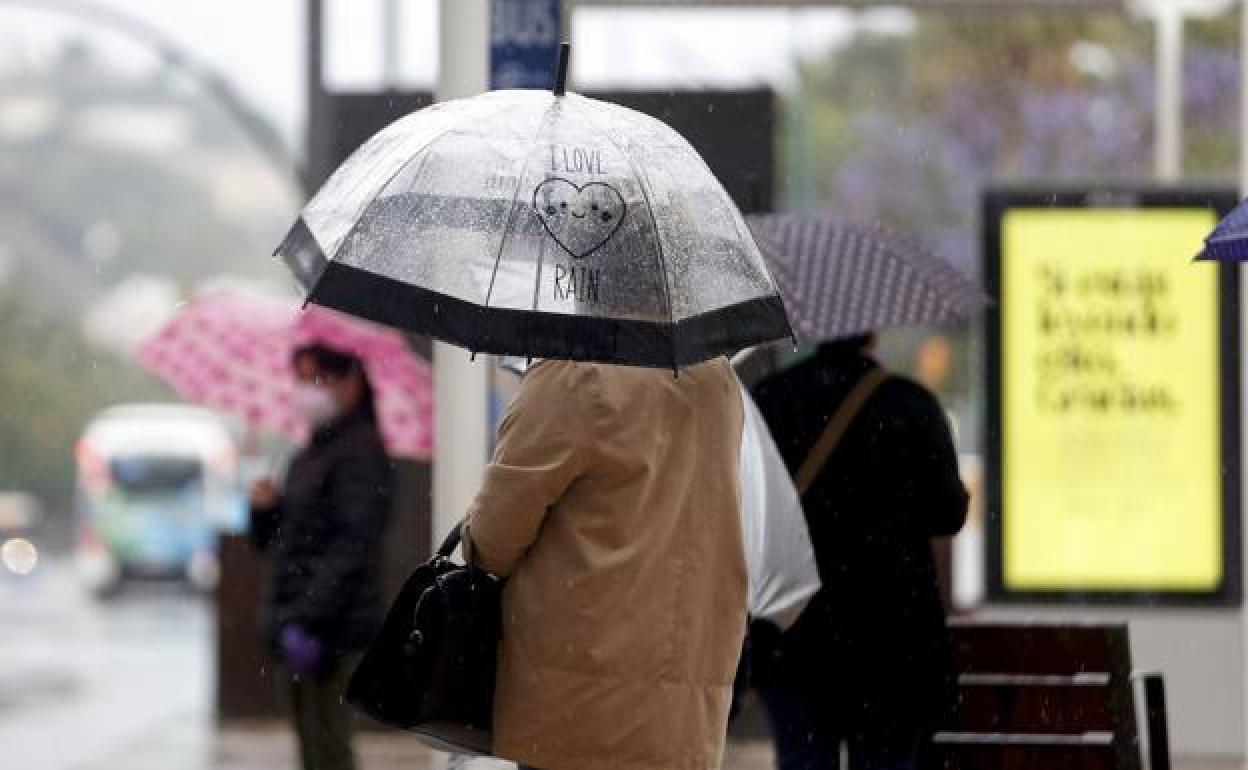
{"x":1041,"y":696}
{"x":1034,"y":708}
{"x":981,"y":756}
{"x":1040,"y":650}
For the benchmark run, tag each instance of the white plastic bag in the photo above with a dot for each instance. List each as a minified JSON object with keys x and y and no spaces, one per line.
{"x":778,"y":551}
{"x":465,"y":762}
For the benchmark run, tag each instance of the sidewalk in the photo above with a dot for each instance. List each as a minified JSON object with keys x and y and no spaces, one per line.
{"x":188,"y":742}
{"x":268,"y":746}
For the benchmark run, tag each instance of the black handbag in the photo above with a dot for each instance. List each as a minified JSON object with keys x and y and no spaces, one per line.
{"x":431,"y":668}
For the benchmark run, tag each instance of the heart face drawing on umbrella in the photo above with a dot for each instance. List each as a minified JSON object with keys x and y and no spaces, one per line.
{"x":581,"y":218}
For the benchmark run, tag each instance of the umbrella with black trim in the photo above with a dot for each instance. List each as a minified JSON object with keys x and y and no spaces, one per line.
{"x":540,"y":224}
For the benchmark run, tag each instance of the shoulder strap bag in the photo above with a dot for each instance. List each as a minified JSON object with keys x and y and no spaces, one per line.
{"x":844,"y":416}
{"x":431,"y":668}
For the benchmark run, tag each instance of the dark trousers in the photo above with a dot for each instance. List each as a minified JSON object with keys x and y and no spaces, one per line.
{"x":322,"y":721}
{"x":805,"y":741}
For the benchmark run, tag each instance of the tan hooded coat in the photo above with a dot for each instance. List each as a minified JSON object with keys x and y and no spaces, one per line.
{"x":611,"y":504}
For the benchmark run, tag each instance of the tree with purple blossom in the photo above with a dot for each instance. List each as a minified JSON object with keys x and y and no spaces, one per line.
{"x":909,"y":130}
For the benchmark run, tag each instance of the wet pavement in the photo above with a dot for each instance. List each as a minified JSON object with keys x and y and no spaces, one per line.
{"x":126,"y":684}
{"x":257,"y":746}
{"x":82,"y":683}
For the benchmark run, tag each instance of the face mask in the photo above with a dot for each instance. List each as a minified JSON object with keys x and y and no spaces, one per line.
{"x":315,"y":403}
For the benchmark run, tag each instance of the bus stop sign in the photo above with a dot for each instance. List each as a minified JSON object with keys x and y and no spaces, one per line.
{"x":524,"y":43}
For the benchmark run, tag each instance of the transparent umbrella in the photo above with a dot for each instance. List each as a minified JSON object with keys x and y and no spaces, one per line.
{"x":539,"y":224}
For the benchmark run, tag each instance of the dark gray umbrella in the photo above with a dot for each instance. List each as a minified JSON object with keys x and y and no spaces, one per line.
{"x":839,"y":278}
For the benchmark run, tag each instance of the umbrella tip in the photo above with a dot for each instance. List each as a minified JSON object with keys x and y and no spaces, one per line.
{"x":561,"y":69}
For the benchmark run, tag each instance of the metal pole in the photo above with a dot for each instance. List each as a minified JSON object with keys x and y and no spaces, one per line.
{"x":460,"y":385}
{"x":566,"y":9}
{"x":390,"y":43}
{"x":802,"y":163}
{"x":318,"y":131}
{"x":1168,"y":151}
{"x":1243,"y":283}
{"x":1243,"y":100}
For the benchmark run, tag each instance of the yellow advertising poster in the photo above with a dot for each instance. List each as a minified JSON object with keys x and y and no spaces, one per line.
{"x":1109,"y":401}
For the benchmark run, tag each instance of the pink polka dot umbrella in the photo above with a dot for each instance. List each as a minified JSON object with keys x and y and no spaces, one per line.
{"x":231,"y":350}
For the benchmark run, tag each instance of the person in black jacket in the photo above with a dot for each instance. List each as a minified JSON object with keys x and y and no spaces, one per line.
{"x":868,"y":662}
{"x":322,"y":534}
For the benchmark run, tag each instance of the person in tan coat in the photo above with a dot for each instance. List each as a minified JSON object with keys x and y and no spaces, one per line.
{"x":611,"y":505}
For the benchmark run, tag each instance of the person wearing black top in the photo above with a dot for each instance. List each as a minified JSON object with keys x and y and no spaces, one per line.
{"x":868,"y":662}
{"x":322,"y":534}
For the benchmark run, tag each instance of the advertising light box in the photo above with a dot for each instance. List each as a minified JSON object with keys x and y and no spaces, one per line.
{"x":1113,"y":419}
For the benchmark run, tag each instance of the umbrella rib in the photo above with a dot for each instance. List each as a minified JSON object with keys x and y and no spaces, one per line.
{"x":643,"y":181}
{"x":737,"y":222}
{"x":361,"y":151}
{"x":775,"y":259}
{"x":537,"y":275}
{"x":515,"y":194}
{"x":423,"y":154}
{"x":778,"y":230}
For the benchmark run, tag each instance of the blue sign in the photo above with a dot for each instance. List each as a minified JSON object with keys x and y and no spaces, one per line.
{"x":524,"y":43}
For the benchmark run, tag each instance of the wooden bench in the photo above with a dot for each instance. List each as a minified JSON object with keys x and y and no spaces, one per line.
{"x":1039,"y":697}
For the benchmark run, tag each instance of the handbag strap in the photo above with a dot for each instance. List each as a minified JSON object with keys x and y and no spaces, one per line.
{"x":451,"y":542}
{"x":840,"y":422}
{"x":455,"y":539}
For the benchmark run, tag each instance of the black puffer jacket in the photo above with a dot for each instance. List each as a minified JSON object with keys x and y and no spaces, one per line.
{"x":324,"y":537}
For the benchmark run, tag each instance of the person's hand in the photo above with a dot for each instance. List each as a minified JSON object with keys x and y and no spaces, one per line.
{"x":264,"y":493}
{"x":301,"y":651}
